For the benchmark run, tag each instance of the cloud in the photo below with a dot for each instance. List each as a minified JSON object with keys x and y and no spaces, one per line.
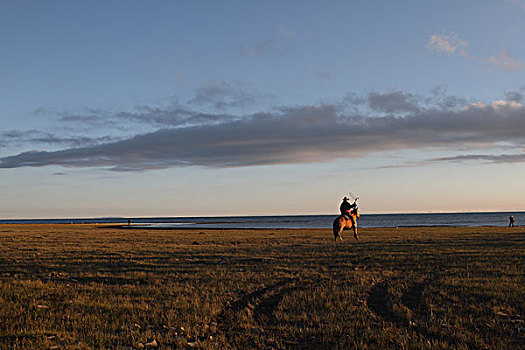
{"x":516,"y":96}
{"x":323,"y":76}
{"x":498,"y":158}
{"x":287,"y":32}
{"x":299,"y":134}
{"x":453,"y":45}
{"x":258,"y":49}
{"x":393,"y":102}
{"x":213,"y":96}
{"x":449,"y":43}
{"x":221,"y":95}
{"x":505,"y":62}
{"x":444,"y":101}
{"x":148,"y":117}
{"x":22,"y":137}
{"x":217,"y":96}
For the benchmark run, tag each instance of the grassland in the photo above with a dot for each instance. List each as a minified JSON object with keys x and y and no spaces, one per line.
{"x":94,"y":287}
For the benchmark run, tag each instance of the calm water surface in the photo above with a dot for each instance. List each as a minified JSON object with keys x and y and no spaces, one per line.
{"x":304,"y":221}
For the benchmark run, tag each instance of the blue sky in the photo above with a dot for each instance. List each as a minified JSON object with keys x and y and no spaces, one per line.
{"x":171,"y":108}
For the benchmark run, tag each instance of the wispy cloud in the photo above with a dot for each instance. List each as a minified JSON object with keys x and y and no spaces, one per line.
{"x":221,"y":95}
{"x":496,"y":158}
{"x":449,"y":43}
{"x":217,"y":96}
{"x":265,"y":46}
{"x":22,"y":137}
{"x":322,"y":75}
{"x":287,"y":32}
{"x":505,"y":62}
{"x":300,"y":134}
{"x":452,"y":44}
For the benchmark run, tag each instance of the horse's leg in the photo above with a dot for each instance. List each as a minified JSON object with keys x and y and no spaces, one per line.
{"x":354,"y":227}
{"x":337,"y":230}
{"x":339,"y":225}
{"x":340,"y":229}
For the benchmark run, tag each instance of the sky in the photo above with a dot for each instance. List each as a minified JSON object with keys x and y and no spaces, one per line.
{"x":212,"y":108}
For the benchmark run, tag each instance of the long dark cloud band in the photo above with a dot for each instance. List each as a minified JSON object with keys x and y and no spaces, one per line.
{"x":308,"y":134}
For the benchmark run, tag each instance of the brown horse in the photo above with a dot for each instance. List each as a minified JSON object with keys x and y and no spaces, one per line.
{"x":342,"y":223}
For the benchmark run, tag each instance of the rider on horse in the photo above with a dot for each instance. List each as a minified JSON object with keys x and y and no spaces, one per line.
{"x":346,"y":207}
{"x":347,"y":220}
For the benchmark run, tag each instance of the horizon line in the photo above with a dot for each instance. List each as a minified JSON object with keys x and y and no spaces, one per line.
{"x":258,"y":215}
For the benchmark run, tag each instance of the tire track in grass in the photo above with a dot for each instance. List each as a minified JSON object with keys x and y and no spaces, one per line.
{"x":380,"y":302}
{"x":258,"y":306}
{"x":412,"y":298}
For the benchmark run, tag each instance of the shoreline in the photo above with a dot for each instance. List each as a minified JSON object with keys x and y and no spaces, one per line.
{"x":101,"y":218}
{"x":496,"y":219}
{"x":139,"y":227}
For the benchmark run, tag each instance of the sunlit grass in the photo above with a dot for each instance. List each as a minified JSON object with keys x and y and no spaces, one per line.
{"x":87,"y":286}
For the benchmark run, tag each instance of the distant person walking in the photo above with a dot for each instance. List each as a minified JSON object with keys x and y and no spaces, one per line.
{"x":511,"y":221}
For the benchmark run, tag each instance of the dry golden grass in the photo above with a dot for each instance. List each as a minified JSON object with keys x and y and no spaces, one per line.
{"x":92,"y":287}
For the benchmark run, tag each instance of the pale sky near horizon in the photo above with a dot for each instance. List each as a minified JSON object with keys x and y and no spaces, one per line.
{"x":204,"y":108}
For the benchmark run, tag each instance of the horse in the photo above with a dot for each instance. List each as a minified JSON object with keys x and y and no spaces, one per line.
{"x":344,"y":222}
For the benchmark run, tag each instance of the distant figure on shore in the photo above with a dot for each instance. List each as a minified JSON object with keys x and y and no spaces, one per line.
{"x":345,"y":207}
{"x":129,"y":221}
{"x":511,"y":221}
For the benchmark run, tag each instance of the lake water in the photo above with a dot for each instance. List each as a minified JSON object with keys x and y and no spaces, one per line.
{"x":303,"y":221}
